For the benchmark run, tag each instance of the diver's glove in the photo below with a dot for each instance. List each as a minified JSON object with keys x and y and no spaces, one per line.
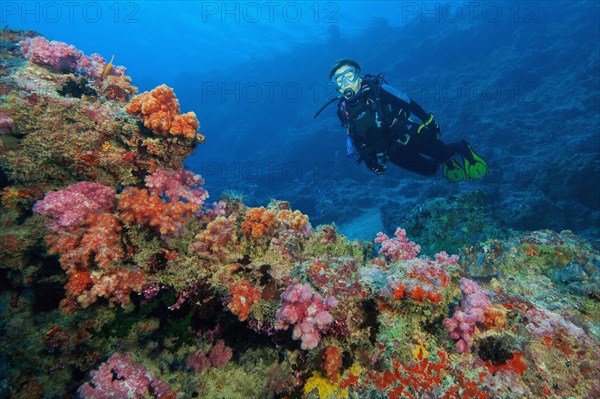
{"x":378,"y":164}
{"x":430,"y":124}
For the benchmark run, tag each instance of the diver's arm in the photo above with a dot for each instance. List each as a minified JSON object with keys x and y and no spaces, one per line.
{"x":400,"y":99}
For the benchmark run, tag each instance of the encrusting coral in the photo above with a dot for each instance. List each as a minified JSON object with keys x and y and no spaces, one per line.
{"x":122,"y":281}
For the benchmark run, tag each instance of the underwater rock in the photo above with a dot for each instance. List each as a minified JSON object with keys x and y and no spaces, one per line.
{"x":573,"y":272}
{"x":496,"y":348}
{"x":449,"y":224}
{"x":584,"y":280}
{"x":76,"y":88}
{"x":7,"y":124}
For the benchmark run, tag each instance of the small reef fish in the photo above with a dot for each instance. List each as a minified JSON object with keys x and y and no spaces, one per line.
{"x":107,"y":68}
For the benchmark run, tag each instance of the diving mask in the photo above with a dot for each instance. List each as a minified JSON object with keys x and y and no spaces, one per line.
{"x":349,"y":75}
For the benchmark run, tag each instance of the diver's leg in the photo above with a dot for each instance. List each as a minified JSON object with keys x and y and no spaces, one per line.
{"x":435,"y":148}
{"x":429,"y":144}
{"x":473,"y":165}
{"x":415,"y":162}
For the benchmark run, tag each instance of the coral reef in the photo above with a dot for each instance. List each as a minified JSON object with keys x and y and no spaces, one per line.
{"x":120,"y":280}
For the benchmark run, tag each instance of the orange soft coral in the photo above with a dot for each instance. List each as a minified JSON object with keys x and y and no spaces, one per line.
{"x":159,"y":110}
{"x":217,"y":237}
{"x":185,"y":125}
{"x":495,"y":316}
{"x":97,"y":241}
{"x":259,"y":221}
{"x":138,"y":206}
{"x":296,"y":220}
{"x":332,"y":363}
{"x":117,"y":286}
{"x":79,"y":282}
{"x":243,"y":297}
{"x":84,"y":289}
{"x":103,"y":237}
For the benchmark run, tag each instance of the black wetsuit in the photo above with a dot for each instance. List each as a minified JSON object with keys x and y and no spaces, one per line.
{"x":378,"y":124}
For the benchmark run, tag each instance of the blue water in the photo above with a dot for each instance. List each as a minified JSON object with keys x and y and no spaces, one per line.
{"x":519,"y":80}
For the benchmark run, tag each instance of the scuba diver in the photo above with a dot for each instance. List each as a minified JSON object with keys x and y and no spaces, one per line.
{"x":380,"y":128}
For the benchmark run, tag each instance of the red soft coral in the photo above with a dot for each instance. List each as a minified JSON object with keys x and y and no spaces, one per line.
{"x":422,"y":280}
{"x":332,"y":363}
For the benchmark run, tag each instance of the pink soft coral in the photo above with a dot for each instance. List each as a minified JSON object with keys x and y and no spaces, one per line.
{"x":472,"y":311}
{"x":177,"y":185}
{"x":120,"y":377}
{"x":57,"y":55}
{"x":66,"y":58}
{"x":397,"y":248}
{"x":67,"y":208}
{"x":218,"y":356}
{"x":304,"y":309}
